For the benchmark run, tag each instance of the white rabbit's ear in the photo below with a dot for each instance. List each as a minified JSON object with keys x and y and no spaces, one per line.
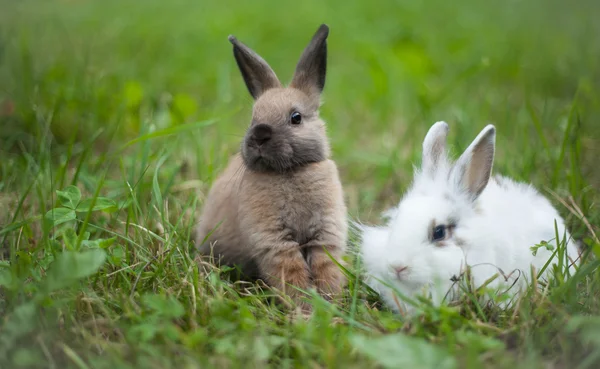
{"x":309,"y":76}
{"x":434,"y":148}
{"x":257,"y":74}
{"x":473,"y":169}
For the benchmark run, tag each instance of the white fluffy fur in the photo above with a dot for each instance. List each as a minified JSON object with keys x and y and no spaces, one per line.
{"x":494,"y":230}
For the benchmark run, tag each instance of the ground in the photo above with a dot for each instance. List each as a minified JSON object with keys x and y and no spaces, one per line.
{"x":116,"y":116}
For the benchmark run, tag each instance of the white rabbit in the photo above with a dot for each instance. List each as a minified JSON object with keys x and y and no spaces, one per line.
{"x":455,"y":216}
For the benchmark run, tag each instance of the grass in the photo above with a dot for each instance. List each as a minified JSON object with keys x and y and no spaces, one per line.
{"x":116,"y":117}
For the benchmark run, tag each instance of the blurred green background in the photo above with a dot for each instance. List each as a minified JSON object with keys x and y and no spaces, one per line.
{"x":395,"y":67}
{"x":141,"y":102}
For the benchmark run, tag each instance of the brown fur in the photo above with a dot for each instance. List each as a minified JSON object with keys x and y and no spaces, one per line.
{"x":276,"y":220}
{"x":268,"y":220}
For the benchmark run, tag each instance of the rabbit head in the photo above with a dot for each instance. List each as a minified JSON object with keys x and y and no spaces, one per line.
{"x":285,"y":130}
{"x":422,"y":246}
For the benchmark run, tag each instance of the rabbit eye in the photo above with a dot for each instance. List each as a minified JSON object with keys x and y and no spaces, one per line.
{"x":439,"y":233}
{"x":296,"y":118}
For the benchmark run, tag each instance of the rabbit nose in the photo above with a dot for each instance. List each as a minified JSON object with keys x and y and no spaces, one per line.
{"x":261,"y":134}
{"x":400,"y":269}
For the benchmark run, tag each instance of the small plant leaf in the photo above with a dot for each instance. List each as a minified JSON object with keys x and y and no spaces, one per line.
{"x":265,"y":346}
{"x":401,"y":351}
{"x":6,"y":279}
{"x":17,"y":324}
{"x":99,"y":243}
{"x":479,"y":343}
{"x":106,"y":243}
{"x":144,"y":332}
{"x":102,"y":203}
{"x":164,"y":306}
{"x":69,"y":197}
{"x":70,"y":266}
{"x":58,"y":216}
{"x":70,"y":238}
{"x":117,"y":255}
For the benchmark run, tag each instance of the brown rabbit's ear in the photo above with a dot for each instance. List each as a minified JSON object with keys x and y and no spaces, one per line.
{"x":312,"y":67}
{"x":257,"y":74}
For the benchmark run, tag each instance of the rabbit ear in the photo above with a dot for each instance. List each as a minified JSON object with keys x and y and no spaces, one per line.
{"x":434,"y":148}
{"x":312,"y":67}
{"x":473,"y":169}
{"x":257,"y":74}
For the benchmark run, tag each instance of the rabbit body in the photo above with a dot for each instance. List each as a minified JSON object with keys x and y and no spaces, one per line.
{"x":274,"y":224}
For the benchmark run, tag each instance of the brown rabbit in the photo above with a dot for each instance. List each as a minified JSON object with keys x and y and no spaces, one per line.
{"x":279,"y":204}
